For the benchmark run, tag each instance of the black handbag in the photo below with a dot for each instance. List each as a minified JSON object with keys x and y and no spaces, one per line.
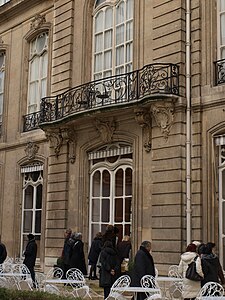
{"x":191,"y":272}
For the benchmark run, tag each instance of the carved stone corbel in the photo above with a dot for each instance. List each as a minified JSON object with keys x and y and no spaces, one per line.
{"x":69,"y":135}
{"x":143,"y":118}
{"x":37,"y":21}
{"x":31,"y":150}
{"x":1,"y":40}
{"x":105,"y":129}
{"x":55,"y":137}
{"x":164,"y":116}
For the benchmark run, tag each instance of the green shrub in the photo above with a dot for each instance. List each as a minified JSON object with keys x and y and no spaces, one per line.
{"x":7,"y":294}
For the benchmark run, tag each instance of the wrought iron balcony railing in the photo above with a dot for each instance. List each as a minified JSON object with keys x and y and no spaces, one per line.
{"x":220,"y":71}
{"x":31,"y":121}
{"x":119,"y":90}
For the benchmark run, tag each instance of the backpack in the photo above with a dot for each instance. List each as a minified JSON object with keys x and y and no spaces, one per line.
{"x":191,"y":272}
{"x":3,"y":253}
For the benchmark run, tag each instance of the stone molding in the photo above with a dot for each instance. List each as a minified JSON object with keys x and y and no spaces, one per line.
{"x":105,"y":129}
{"x":163,"y":113}
{"x":63,"y":135}
{"x":37,"y":22}
{"x":31,"y":150}
{"x":143,"y":118}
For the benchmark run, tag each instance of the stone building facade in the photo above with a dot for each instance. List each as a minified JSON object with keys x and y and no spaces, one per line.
{"x":108,"y":141}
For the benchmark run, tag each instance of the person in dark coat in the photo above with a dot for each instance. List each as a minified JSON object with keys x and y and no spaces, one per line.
{"x":211,"y":266}
{"x":124,"y":249}
{"x":30,"y":254}
{"x":3,"y":253}
{"x":76,"y":257}
{"x":110,"y":234}
{"x":143,"y":265}
{"x":96,"y":247}
{"x":110,"y":267}
{"x":66,"y":252}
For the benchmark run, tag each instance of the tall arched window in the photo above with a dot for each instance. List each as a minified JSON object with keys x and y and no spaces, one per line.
{"x":38,"y":66}
{"x":112,"y":38}
{"x":221,"y":28}
{"x":32,"y":203}
{"x":2,"y":76}
{"x":111,"y":189}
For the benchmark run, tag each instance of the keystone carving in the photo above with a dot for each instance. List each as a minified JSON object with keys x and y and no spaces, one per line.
{"x":56,"y":139}
{"x":164,"y":116}
{"x":143,"y":118}
{"x":37,"y":21}
{"x":106,"y":129}
{"x":31,"y":150}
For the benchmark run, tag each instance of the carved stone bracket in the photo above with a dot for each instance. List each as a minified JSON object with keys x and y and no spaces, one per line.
{"x":37,"y":21}
{"x":105,"y":129}
{"x":69,"y":135}
{"x":1,"y":40}
{"x":55,"y":137}
{"x":143,"y":118}
{"x":31,"y":150}
{"x":163,"y":113}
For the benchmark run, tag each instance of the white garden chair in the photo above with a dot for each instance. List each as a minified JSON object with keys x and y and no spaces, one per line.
{"x":54,"y":272}
{"x":148,"y":281}
{"x":22,"y":273}
{"x":211,"y":289}
{"x":79,"y":288}
{"x":122,"y":282}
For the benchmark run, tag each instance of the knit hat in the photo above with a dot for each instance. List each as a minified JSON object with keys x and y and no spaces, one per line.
{"x":197,"y":243}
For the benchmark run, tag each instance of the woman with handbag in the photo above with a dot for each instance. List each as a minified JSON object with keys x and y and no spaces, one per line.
{"x":190,"y":287}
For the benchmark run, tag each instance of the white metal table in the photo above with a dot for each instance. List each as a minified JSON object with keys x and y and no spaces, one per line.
{"x":136,"y":289}
{"x":164,"y":280}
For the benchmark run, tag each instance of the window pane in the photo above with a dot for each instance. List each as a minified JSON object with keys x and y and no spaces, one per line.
{"x":98,"y":62}
{"x":41,"y":42}
{"x":128,"y":52}
{"x":99,"y":22}
{"x":28,"y":201}
{"x":120,"y":55}
{"x":128,"y":209}
{"x":95,"y":210}
{"x":94,"y":230}
{"x":127,"y":229}
{"x":118,"y":213}
{"x":129,"y":31}
{"x":38,"y":222}
{"x":108,"y":60}
{"x":129,"y":9}
{"x":98,"y":42}
{"x":119,"y":34}
{"x":222,"y":52}
{"x":105,"y":184}
{"x":120,"y":13}
{"x":34,"y":69}
{"x":222,"y":29}
{"x":108,"y":18}
{"x":44,"y":65}
{"x":105,"y":210}
{"x":96,"y":184}
{"x":27,"y":222}
{"x":108,"y":39}
{"x":222,"y":5}
{"x":128,"y":182}
{"x":43,"y":88}
{"x":119,"y":183}
{"x":39,"y":197}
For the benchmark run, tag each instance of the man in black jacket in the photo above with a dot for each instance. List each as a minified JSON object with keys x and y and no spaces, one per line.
{"x":143,"y":265}
{"x":3,"y":253}
{"x":30,"y":254}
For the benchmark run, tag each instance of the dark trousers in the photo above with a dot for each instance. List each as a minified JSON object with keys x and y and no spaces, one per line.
{"x":32,"y":273}
{"x":106,"y":291}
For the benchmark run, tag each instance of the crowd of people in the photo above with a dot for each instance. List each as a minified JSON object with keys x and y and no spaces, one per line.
{"x":109,"y":255}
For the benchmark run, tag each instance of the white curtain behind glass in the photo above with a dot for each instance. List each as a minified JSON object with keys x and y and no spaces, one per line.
{"x":221,"y":14}
{"x":38,"y":67}
{"x":113,"y":39}
{"x":2,"y":75}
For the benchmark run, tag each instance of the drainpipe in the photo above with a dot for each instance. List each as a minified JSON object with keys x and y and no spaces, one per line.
{"x":188,"y":120}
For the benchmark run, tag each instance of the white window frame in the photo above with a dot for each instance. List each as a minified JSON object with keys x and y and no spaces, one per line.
{"x":33,"y":209}
{"x":219,"y":44}
{"x":112,"y":168}
{"x":126,"y":64}
{"x":34,"y":104}
{"x":2,"y":71}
